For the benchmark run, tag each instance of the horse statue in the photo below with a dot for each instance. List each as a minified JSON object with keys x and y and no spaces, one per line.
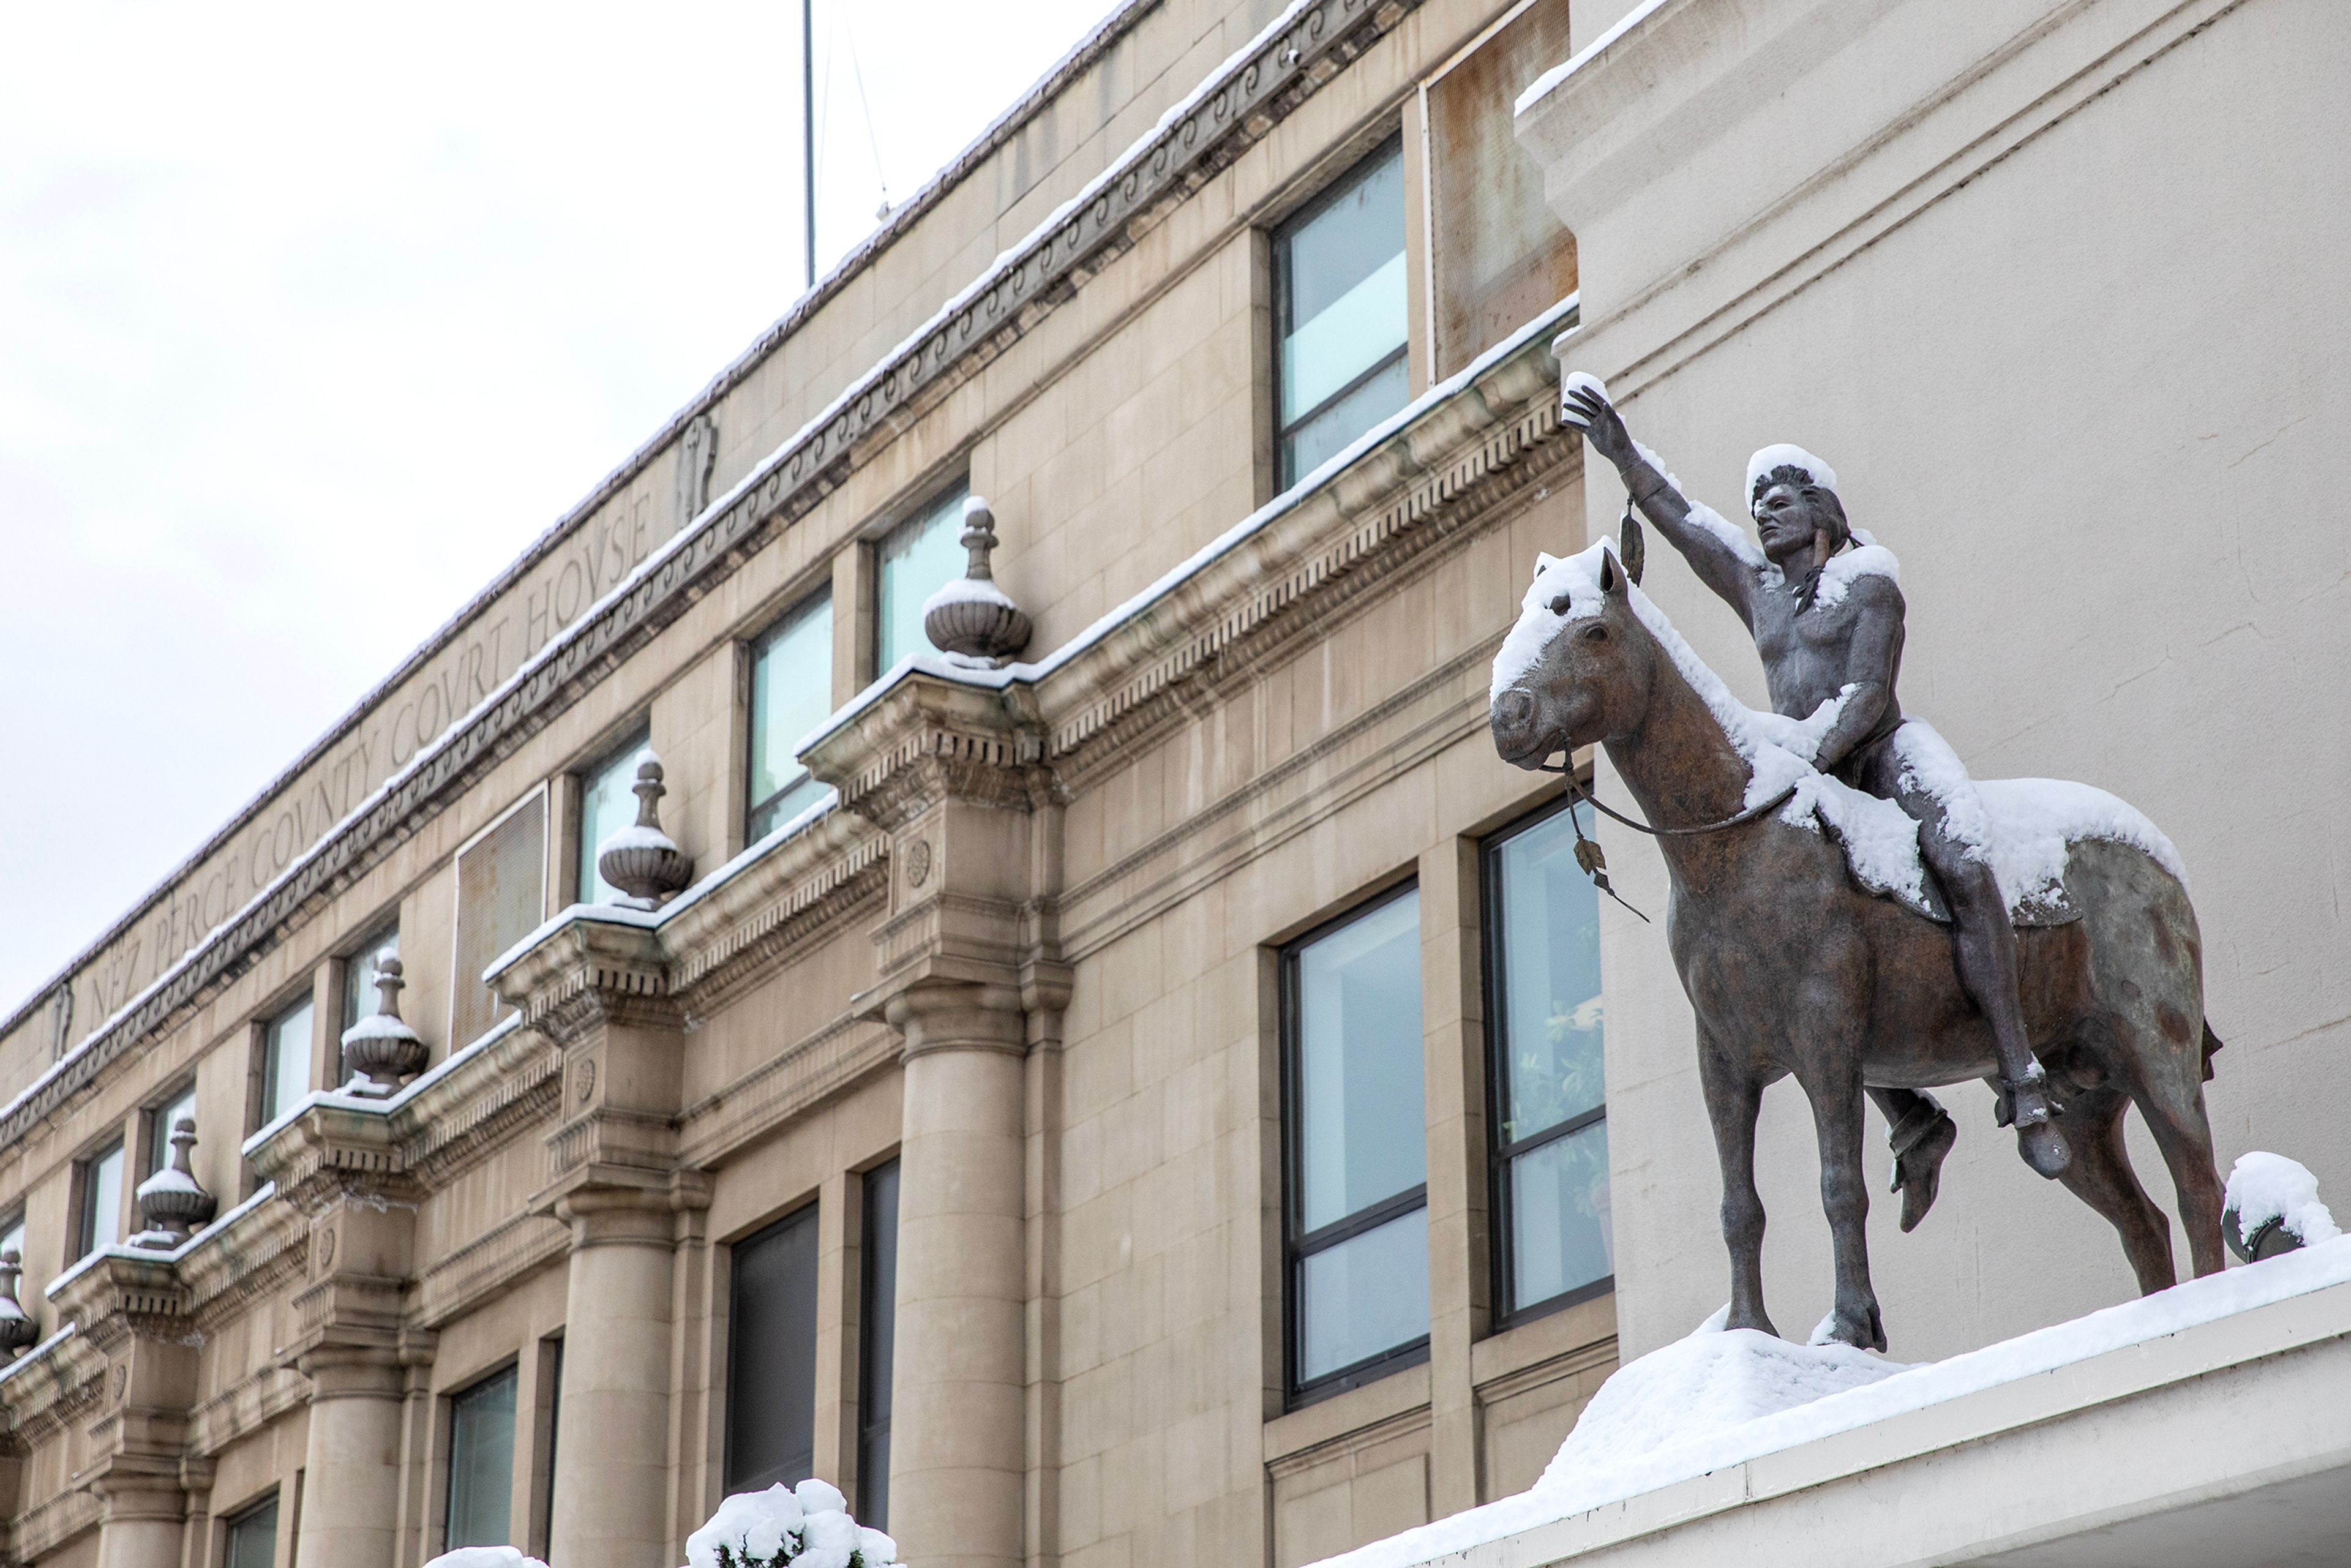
{"x":1809,"y":946}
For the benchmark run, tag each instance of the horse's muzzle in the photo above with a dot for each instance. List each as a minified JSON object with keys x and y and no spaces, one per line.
{"x":1517,"y":735}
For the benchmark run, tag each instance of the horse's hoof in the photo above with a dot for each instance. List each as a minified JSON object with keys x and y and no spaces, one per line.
{"x":2043,"y":1148}
{"x":1918,"y":1168}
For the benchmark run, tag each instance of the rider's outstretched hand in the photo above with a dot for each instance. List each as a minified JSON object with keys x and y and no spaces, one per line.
{"x":1584,"y":403}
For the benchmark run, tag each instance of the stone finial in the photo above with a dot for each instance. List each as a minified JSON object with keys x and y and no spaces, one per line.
{"x":18,"y":1329}
{"x":171,"y":1202}
{"x":381,"y":1046}
{"x":642,"y":860}
{"x":972,"y":620}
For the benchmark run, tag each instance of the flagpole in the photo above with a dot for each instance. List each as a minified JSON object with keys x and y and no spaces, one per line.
{"x":808,"y":133}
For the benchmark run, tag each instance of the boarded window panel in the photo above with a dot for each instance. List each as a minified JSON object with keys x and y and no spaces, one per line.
{"x":501,"y":899}
{"x":1501,"y":257}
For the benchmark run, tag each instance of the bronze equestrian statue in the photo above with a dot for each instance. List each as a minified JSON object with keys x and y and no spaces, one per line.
{"x":1793,"y":967}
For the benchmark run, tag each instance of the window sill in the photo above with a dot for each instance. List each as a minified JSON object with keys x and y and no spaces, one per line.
{"x":1402,"y":1391}
{"x":1544,"y":1336}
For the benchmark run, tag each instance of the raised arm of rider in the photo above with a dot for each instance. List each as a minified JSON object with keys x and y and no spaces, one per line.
{"x":1869,"y":669}
{"x":1717,"y":564}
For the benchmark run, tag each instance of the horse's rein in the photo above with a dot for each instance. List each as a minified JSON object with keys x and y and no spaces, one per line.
{"x":1595,"y":864}
{"x":1567,"y":771}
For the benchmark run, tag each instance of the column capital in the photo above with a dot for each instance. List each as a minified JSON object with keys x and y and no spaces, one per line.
{"x":603,"y":967}
{"x":948,"y":1015}
{"x":927,"y":739}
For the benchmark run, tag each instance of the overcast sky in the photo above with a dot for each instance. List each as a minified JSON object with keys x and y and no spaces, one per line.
{"x":312,"y":316}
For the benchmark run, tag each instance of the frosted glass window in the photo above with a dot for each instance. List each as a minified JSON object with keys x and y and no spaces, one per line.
{"x":608,"y":803}
{"x":1551,"y":1151}
{"x":253,"y":1538}
{"x":360,"y":995}
{"x":1342,"y":312}
{"x":1358,"y":1147}
{"x":158,"y":1128}
{"x":915,"y":558}
{"x":481,"y":1462}
{"x":101,"y":1202}
{"x":791,"y":694}
{"x":772,"y":1357}
{"x":285,"y":1061}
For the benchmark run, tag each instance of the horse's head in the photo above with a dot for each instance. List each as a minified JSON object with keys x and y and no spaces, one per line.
{"x":1574,"y":670}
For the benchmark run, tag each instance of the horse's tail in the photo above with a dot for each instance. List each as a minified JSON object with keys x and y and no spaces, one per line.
{"x":2212,"y":1045}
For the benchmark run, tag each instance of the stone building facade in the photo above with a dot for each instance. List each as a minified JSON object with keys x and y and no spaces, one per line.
{"x":934,"y":1139}
{"x":1142,"y":1103}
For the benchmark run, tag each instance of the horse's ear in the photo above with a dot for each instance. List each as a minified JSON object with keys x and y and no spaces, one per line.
{"x":1612,"y":576}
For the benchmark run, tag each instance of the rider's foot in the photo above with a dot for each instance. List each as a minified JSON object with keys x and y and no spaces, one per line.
{"x":2037,"y":1138}
{"x":1919,"y":1145}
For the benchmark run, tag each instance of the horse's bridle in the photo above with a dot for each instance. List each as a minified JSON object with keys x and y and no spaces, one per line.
{"x":1587,"y":852}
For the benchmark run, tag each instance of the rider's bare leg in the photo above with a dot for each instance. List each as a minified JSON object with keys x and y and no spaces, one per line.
{"x":1986,"y":945}
{"x":1921,"y":1132}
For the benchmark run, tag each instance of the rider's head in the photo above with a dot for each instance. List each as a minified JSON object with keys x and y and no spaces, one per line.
{"x":1791,"y":495}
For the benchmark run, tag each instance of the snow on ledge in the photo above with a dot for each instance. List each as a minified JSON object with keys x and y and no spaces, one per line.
{"x":1721,"y":1438}
{"x":1584,"y":57}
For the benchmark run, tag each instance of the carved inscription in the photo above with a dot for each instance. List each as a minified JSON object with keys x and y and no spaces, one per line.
{"x":556,"y":591}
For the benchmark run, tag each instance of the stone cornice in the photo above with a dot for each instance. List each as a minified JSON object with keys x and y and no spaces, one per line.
{"x":331,"y":1148}
{"x":1219,"y":121}
{"x":924,"y":738}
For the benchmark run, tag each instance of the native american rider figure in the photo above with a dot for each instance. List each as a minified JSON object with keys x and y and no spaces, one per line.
{"x":1834,"y":640}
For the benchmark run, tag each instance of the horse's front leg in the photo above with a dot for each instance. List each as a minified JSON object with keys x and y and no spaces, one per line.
{"x":1734,"y":1097}
{"x":1833,"y":1087}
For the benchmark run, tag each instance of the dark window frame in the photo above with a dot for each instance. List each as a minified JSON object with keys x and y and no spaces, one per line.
{"x":85,"y":1172}
{"x":754,"y":649}
{"x":1508,"y":1312}
{"x":873,"y":1492}
{"x":347,"y":980}
{"x":1297,"y":1246}
{"x":155,"y":1138}
{"x":638,"y":737}
{"x":510,"y":1371}
{"x":811,"y":1211}
{"x":927,"y":510}
{"x":1337,"y":191}
{"x":271,"y":1502}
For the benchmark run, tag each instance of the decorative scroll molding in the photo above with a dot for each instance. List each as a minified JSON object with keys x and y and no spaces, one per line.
{"x":1219,"y":122}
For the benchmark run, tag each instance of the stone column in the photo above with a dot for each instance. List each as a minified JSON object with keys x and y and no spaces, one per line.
{"x":598,"y":990}
{"x":350,"y":1488}
{"x":612,"y":1474}
{"x":970,"y":973}
{"x":958,"y":1438}
{"x":140,"y":1525}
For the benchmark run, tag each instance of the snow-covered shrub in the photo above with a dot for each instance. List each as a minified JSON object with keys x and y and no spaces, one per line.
{"x":484,"y":1557}
{"x":807,"y":1526}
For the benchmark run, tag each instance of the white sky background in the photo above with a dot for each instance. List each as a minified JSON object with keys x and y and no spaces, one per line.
{"x":311,"y":317}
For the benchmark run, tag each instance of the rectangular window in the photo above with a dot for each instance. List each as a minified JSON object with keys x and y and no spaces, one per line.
{"x":551,"y":1375}
{"x":481,"y":1462}
{"x":99,"y":1224}
{"x":608,"y":803}
{"x":501,"y":899}
{"x":1341,"y":313}
{"x":791,"y":693}
{"x":286,"y":1059}
{"x":160,"y":1122}
{"x":1358,"y":1150}
{"x":1544,"y":1023}
{"x":360,"y":995}
{"x":772,"y":1357}
{"x":253,"y":1538}
{"x":915,"y":558}
{"x":878,"y":1329}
